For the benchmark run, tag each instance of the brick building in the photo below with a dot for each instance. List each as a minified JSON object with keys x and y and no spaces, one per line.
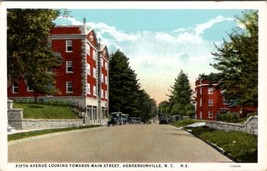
{"x":83,"y":76}
{"x":209,"y":100}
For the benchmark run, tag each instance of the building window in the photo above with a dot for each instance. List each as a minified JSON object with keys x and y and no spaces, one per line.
{"x":94,"y":70}
{"x":15,"y":88}
{"x":200,"y":90}
{"x":29,"y":88}
{"x":200,"y":115}
{"x":68,"y":46}
{"x":210,"y":90}
{"x":88,"y":69}
{"x":200,"y":102}
{"x":210,"y":114}
{"x":88,"y":49}
{"x":210,"y":102}
{"x":88,"y":88}
{"x":69,"y":67}
{"x":69,"y":88}
{"x":94,"y":55}
{"x":94,"y":89}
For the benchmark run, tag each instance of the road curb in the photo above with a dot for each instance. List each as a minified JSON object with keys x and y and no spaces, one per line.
{"x":214,"y":146}
{"x":32,"y":138}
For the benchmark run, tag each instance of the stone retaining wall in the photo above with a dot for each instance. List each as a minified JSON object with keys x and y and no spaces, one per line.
{"x":15,"y":117}
{"x":50,"y":123}
{"x":16,"y":121}
{"x":250,"y":126}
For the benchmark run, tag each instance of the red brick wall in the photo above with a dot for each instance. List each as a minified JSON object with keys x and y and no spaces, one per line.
{"x":62,"y":76}
{"x":66,"y":30}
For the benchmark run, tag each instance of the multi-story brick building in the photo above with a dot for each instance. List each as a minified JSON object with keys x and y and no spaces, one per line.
{"x":83,"y":76}
{"x":209,"y":100}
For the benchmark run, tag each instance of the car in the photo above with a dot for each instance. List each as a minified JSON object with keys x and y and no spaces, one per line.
{"x":132,"y":120}
{"x":115,"y":119}
{"x":125,"y":119}
{"x":135,"y":120}
{"x":163,"y":119}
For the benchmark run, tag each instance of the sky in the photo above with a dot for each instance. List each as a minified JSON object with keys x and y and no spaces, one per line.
{"x":160,"y":42}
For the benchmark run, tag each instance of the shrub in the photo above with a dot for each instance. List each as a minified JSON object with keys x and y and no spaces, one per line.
{"x":228,"y":117}
{"x":223,"y":117}
{"x":235,"y":117}
{"x":252,"y":114}
{"x":219,"y":117}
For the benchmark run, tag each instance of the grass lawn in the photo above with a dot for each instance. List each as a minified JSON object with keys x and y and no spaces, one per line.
{"x":242,"y":147}
{"x":41,"y":111}
{"x":46,"y":131}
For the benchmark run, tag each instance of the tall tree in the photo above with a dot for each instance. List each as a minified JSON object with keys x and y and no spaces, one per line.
{"x":164,"y":107}
{"x":123,"y":84}
{"x":180,"y":99}
{"x":125,"y":93}
{"x":237,"y":61}
{"x":28,"y":53}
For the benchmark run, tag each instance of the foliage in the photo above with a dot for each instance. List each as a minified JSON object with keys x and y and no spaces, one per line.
{"x":40,"y":111}
{"x":164,"y":107}
{"x":228,"y":117}
{"x":45,"y":131}
{"x":180,"y":99}
{"x":28,"y":53}
{"x":237,"y":61}
{"x":62,"y":103}
{"x":240,"y":146}
{"x":125,"y":93}
{"x":212,"y":77}
{"x":235,"y":117}
{"x":252,"y":114}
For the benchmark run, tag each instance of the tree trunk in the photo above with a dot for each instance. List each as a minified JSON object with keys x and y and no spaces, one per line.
{"x":35,"y":96}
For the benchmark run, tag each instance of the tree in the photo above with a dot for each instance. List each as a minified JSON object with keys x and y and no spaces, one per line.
{"x":125,"y":93}
{"x":28,"y":53}
{"x":164,"y":107}
{"x":237,"y":61}
{"x":180,"y":99}
{"x":212,"y":77}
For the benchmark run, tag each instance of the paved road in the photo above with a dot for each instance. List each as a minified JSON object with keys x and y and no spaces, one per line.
{"x":129,"y":143}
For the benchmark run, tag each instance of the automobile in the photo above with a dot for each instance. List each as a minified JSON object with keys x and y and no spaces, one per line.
{"x":132,"y":120}
{"x":138,"y":121}
{"x":115,"y":119}
{"x":135,"y":120}
{"x":125,"y":118}
{"x":163,"y":119}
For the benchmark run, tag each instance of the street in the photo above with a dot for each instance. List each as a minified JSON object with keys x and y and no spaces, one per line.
{"x":127,"y":143}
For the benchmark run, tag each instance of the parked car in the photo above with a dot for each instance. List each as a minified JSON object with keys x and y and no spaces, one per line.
{"x":125,"y":118}
{"x":163,"y":119}
{"x":115,"y":119}
{"x":135,"y":120}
